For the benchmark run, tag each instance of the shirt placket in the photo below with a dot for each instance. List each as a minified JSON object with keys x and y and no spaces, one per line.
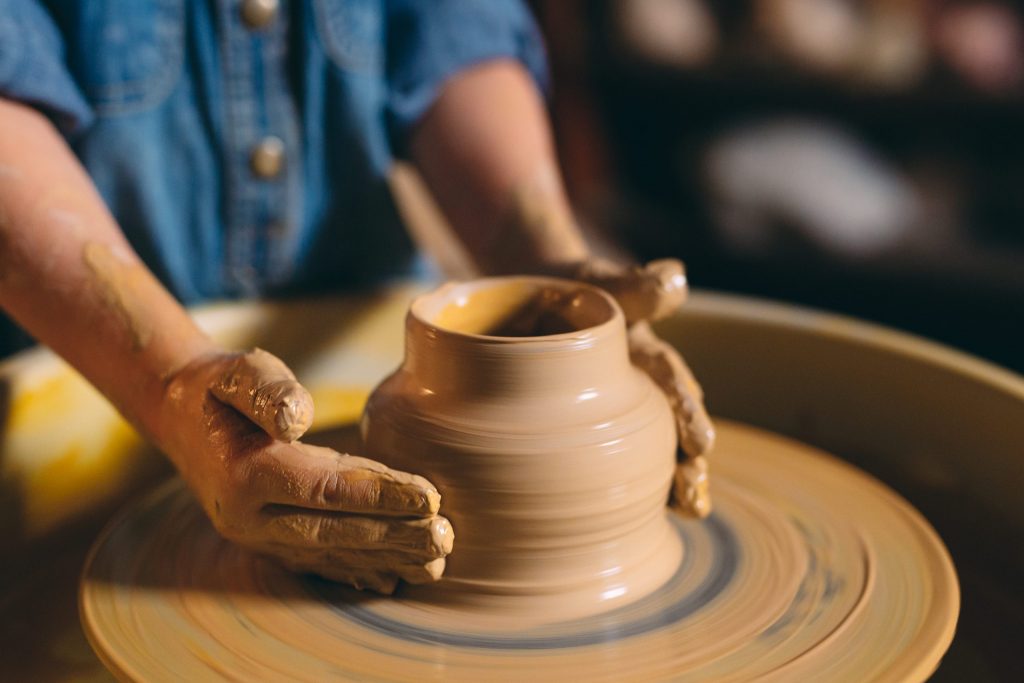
{"x":263,"y":159}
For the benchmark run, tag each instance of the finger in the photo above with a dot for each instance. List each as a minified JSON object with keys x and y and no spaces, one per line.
{"x":428,"y":538}
{"x":261,"y":387}
{"x":422,"y":562}
{"x":669,"y":371}
{"x":308,"y":476}
{"x":409,"y":568}
{"x":649,"y":292}
{"x":691,"y":493}
{"x":413,"y":568}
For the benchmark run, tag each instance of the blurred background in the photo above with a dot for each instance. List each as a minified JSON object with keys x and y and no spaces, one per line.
{"x":860,"y":156}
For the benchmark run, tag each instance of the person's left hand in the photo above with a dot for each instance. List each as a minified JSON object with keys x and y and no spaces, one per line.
{"x":648,"y":293}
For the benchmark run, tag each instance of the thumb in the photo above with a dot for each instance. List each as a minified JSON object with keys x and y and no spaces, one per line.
{"x":261,"y":387}
{"x":648,"y":292}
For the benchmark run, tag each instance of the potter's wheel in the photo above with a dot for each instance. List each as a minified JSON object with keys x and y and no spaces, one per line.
{"x":807,"y":570}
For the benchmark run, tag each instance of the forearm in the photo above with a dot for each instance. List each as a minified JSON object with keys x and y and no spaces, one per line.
{"x":69,"y":277}
{"x":485,"y":151}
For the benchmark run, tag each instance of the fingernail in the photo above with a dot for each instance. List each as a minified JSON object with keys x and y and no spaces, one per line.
{"x":442,"y":535}
{"x":293,"y":416}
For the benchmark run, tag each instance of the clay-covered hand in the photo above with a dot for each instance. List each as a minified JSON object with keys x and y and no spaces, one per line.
{"x":229,"y":422}
{"x":649,"y":293}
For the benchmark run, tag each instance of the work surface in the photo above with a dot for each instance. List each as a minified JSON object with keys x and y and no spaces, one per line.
{"x":943,"y":429}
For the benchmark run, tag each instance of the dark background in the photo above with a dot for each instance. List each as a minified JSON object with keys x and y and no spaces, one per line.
{"x":923,"y":100}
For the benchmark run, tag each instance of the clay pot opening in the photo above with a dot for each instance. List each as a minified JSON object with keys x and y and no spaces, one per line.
{"x":517,"y":309}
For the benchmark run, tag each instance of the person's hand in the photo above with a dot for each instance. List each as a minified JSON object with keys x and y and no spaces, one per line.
{"x":649,"y":293}
{"x":229,"y":422}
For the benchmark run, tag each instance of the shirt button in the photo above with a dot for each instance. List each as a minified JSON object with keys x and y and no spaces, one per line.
{"x":257,"y":14}
{"x":267,"y":158}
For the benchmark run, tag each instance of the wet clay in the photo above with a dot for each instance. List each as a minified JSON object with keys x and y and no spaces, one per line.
{"x":120,"y":282}
{"x":553,"y":454}
{"x":808,"y":570}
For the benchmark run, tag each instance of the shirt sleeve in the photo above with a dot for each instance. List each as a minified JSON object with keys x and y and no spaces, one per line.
{"x":429,"y":42}
{"x":32,"y":68}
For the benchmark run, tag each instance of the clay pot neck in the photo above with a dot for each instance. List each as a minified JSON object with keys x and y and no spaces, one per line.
{"x":487,"y":338}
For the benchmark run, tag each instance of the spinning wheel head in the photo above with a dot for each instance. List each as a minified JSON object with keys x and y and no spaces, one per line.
{"x":807,"y":570}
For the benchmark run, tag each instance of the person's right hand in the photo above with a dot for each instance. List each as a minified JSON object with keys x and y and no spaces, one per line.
{"x":229,"y":422}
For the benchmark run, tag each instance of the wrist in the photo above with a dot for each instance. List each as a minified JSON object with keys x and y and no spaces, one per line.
{"x":179,"y":387}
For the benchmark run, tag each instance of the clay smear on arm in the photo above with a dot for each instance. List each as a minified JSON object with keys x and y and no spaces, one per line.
{"x":119,"y":284}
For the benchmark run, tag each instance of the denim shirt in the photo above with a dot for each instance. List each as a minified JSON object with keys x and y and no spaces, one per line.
{"x":166,"y":102}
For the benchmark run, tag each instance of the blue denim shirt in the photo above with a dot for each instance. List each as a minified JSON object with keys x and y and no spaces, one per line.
{"x":164,"y":102}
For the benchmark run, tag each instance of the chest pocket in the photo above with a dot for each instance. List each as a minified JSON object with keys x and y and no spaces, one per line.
{"x":126,"y":55}
{"x":352,"y":32}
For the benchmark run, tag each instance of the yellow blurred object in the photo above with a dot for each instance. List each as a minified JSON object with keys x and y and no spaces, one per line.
{"x":64,"y":450}
{"x":337,"y":406}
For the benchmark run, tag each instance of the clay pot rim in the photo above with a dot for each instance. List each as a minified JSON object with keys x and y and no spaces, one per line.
{"x":437,"y":298}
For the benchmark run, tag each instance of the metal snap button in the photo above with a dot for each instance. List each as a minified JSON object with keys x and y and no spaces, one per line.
{"x":257,"y":14}
{"x":267,"y":158}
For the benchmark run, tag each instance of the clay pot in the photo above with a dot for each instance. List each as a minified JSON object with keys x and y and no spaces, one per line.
{"x":552,"y":453}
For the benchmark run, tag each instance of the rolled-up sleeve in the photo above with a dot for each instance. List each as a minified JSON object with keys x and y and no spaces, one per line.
{"x":428,"y":42}
{"x":32,"y":67}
